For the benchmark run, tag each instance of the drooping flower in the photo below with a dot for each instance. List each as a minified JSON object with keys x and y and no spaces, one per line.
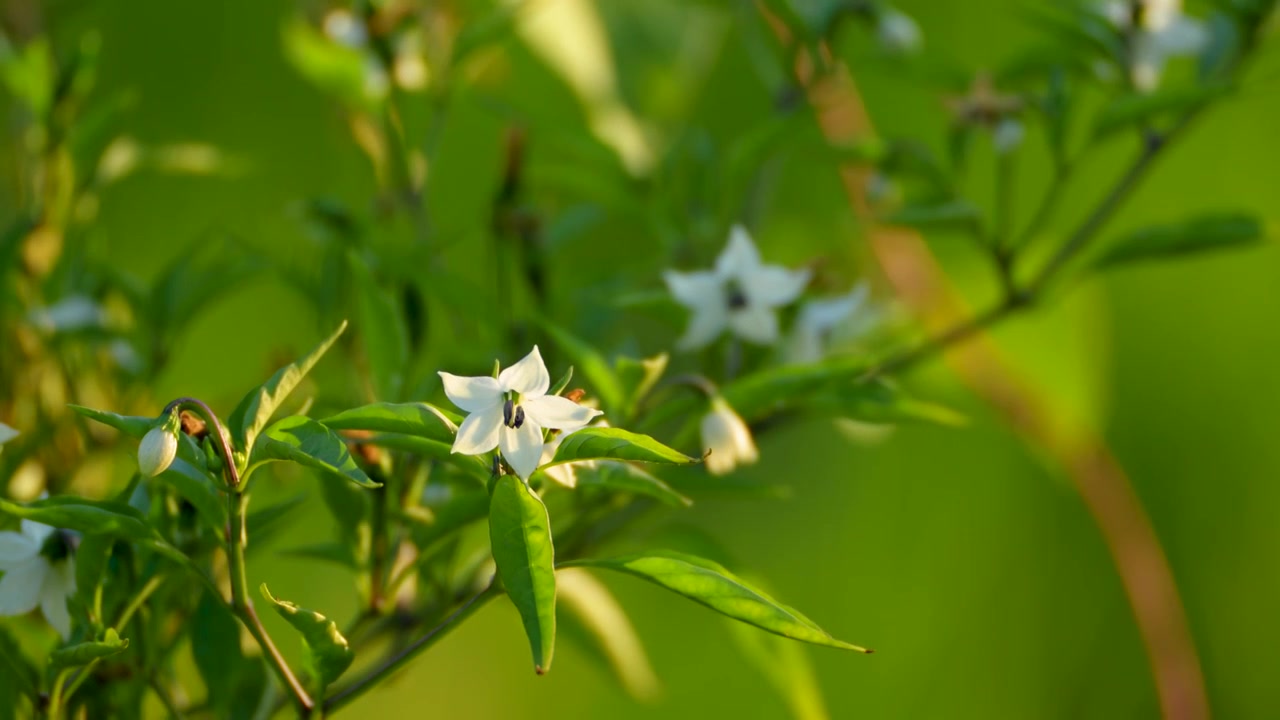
{"x":820,"y":322}
{"x":741,"y":294}
{"x":897,"y":31}
{"x":1160,"y":31}
{"x":510,"y":412}
{"x":37,"y":572}
{"x":159,"y":447}
{"x":728,"y":438}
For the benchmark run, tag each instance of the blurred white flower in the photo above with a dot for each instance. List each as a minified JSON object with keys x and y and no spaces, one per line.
{"x":510,"y":412}
{"x":728,"y":438}
{"x":1008,"y":135}
{"x":1162,"y":32}
{"x":820,"y":322}
{"x":897,"y":32}
{"x":33,"y":578}
{"x":343,"y":28}
{"x":6,"y":434}
{"x":77,"y":312}
{"x":740,"y":294}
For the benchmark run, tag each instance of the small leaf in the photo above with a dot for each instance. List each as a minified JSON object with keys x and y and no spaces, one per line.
{"x":520,"y":536}
{"x":304,"y":441}
{"x":86,"y":516}
{"x":255,"y":410}
{"x":588,"y":361}
{"x":328,"y":653}
{"x":605,"y":443}
{"x":418,"y":419}
{"x":86,"y":652}
{"x":945,"y":213}
{"x":1198,"y":235}
{"x":130,"y":425}
{"x":629,"y":478}
{"x":710,"y":584}
{"x":381,"y":331}
{"x":606,"y":630}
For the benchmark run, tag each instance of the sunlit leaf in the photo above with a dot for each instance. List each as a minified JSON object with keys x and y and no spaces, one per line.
{"x":86,"y":516}
{"x":306,"y":442}
{"x":1203,"y":234}
{"x":328,"y":653}
{"x":625,"y":477}
{"x":86,"y":652}
{"x":418,"y":419}
{"x":605,"y":443}
{"x":520,"y":536}
{"x":131,"y":425}
{"x":711,"y":585}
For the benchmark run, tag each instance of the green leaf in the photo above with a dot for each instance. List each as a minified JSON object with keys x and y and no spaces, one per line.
{"x":520,"y":536}
{"x":1142,"y":108}
{"x":882,"y":401}
{"x":336,"y":69}
{"x":381,"y":331}
{"x":86,"y":652}
{"x":636,"y":378}
{"x":629,"y":478}
{"x":131,"y":425}
{"x":597,"y":619}
{"x":472,"y":465}
{"x":304,"y":441}
{"x":588,"y":361}
{"x":234,"y":683}
{"x":466,"y":507}
{"x":15,"y":667}
{"x":761,"y":393}
{"x":419,"y":419}
{"x":710,"y":584}
{"x":255,"y":410}
{"x":1198,"y":235}
{"x":198,"y":488}
{"x":605,"y":443}
{"x":91,"y":560}
{"x":85,"y":516}
{"x":946,"y":213}
{"x":328,"y":654}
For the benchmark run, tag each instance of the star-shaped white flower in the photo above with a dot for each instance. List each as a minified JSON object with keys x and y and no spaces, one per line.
{"x":31,"y":579}
{"x":740,"y":294}
{"x":1163,"y":32}
{"x":510,"y":412}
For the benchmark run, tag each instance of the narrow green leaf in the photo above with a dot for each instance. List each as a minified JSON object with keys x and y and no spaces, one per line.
{"x":945,"y":213}
{"x":197,"y":487}
{"x":1202,"y":234}
{"x":328,"y":653}
{"x":595,"y":616}
{"x":131,"y":425}
{"x":86,"y":516}
{"x":304,"y":441}
{"x":520,"y":536}
{"x":711,"y":585}
{"x":605,"y":443}
{"x":472,"y":465}
{"x":625,"y":477}
{"x":86,"y":652}
{"x":255,"y":410}
{"x":419,"y":419}
{"x":589,"y":362}
{"x":382,"y":331}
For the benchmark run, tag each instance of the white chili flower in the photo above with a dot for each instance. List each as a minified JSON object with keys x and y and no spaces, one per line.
{"x":898,"y":32}
{"x":1162,"y":32}
{"x":728,"y":438}
{"x":37,"y":571}
{"x":740,"y":294}
{"x":510,"y":412}
{"x":844,"y":317}
{"x":157,"y":450}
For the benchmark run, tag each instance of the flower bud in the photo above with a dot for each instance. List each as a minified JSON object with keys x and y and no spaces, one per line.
{"x":157,"y":450}
{"x":898,"y":32}
{"x":728,"y":438}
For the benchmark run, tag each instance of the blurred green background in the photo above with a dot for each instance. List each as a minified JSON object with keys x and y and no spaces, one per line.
{"x":960,"y":555}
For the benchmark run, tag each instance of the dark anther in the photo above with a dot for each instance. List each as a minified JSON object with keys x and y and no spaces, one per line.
{"x":519,"y":418}
{"x":507,"y":411}
{"x":737,"y":300}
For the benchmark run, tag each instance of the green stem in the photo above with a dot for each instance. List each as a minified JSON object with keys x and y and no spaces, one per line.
{"x":222,"y":436}
{"x":398,"y":660}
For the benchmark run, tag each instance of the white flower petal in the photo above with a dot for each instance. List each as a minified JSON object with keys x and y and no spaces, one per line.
{"x":20,"y":587}
{"x":774,"y":286}
{"x":7,"y":433}
{"x":59,"y":583}
{"x":740,"y":257}
{"x":471,"y":394}
{"x":478,"y":434}
{"x":563,"y":474}
{"x":823,"y":315}
{"x":16,"y":549}
{"x":728,"y":438}
{"x":522,"y":447}
{"x":527,"y":377}
{"x":38,"y":532}
{"x":557,"y":413}
{"x":1182,"y":36}
{"x":757,"y":325}
{"x":805,"y":346}
{"x":705,"y":326}
{"x":695,"y":290}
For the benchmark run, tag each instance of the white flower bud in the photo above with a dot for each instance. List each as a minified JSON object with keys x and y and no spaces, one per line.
{"x":157,"y":450}
{"x":728,"y":438}
{"x":898,"y":32}
{"x":1008,"y":135}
